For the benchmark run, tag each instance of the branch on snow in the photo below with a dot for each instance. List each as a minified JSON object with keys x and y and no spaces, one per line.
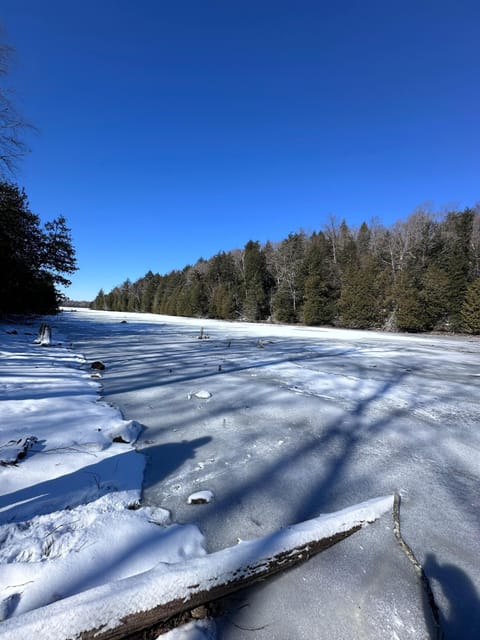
{"x":127,"y":607}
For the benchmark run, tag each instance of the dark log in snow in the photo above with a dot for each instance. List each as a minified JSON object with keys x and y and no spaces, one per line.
{"x":122,"y":609}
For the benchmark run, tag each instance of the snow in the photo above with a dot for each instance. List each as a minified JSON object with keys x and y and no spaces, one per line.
{"x":313,"y":421}
{"x":198,"y":630}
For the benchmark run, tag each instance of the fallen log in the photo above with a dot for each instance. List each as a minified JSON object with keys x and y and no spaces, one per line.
{"x":124,"y":608}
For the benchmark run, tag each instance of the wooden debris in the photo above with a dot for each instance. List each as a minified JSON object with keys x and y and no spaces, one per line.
{"x":44,"y":337}
{"x":134,"y":607}
{"x":16,"y":450}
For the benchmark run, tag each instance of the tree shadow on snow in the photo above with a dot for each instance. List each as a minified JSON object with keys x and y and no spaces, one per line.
{"x":461,"y":617}
{"x":163,"y":459}
{"x":122,"y":472}
{"x":71,"y":489}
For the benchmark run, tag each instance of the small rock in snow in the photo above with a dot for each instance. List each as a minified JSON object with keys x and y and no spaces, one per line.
{"x":126,"y":431}
{"x":160,"y":516}
{"x":199,"y":612}
{"x":203,"y":394}
{"x":200,"y":497}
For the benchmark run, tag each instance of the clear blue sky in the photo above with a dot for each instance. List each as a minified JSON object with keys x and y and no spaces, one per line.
{"x":170,"y":130}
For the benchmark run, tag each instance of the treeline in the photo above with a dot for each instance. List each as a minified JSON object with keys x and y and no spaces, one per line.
{"x":33,"y":259}
{"x":420,"y":274}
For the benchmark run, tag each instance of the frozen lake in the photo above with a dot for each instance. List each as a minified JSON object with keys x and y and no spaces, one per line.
{"x":283,"y":423}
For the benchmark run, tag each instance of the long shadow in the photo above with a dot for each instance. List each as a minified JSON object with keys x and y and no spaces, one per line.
{"x":162,"y":460}
{"x":93,"y":481}
{"x":67,"y":491}
{"x":462,"y":620}
{"x":131,"y":385}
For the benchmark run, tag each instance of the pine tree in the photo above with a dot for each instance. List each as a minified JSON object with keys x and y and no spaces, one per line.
{"x":99,"y":303}
{"x":434,"y":294}
{"x":319,"y":307}
{"x":471,"y":308}
{"x":148,"y":292}
{"x":257,"y":283}
{"x":359,"y":300}
{"x":320,"y":295}
{"x":458,"y":261}
{"x":363,"y":241}
{"x":32,"y":260}
{"x":410,"y":312}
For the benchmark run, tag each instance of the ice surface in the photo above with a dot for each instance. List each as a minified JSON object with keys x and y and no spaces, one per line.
{"x":314,"y":421}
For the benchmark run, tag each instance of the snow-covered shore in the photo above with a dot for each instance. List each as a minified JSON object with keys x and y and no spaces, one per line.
{"x":66,"y":523}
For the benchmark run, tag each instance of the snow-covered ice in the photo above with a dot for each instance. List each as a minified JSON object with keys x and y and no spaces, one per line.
{"x":312,"y":422}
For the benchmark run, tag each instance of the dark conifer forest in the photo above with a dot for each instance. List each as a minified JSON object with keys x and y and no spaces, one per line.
{"x":421,"y":274}
{"x":33,"y":259}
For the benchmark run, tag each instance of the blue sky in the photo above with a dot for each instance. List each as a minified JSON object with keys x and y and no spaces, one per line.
{"x":173,"y":130}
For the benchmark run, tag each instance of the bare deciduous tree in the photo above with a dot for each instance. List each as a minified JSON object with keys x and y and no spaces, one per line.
{"x":12,"y":124}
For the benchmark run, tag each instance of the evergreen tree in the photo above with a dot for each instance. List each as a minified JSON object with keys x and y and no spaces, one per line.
{"x":320,"y":294}
{"x":99,"y":303}
{"x":410,"y":314}
{"x":359,"y":300}
{"x":223,"y":286}
{"x":347,"y":249}
{"x":319,"y":306}
{"x":58,"y":256}
{"x":471,"y":308}
{"x":197,"y":294}
{"x":32,"y":260}
{"x":148,"y":292}
{"x":257,"y":281}
{"x":458,"y":261}
{"x":363,"y":241}
{"x":434,"y":293}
